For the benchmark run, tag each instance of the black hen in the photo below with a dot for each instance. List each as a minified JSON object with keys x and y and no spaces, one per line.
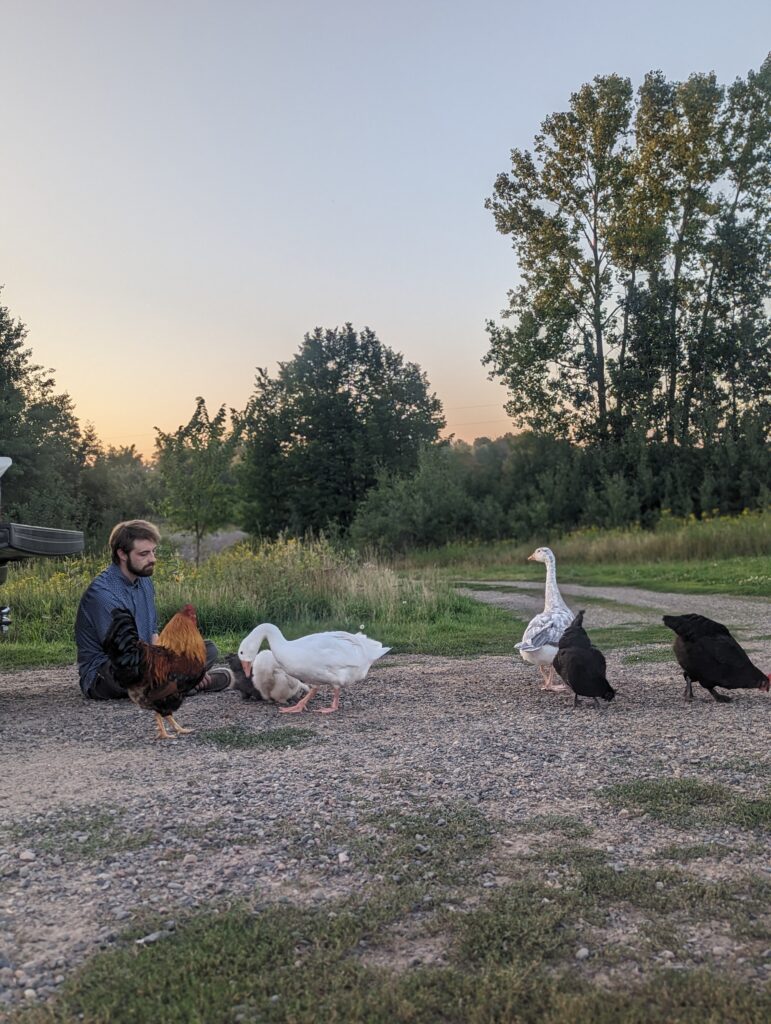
{"x":581,"y":664}
{"x":245,"y":686}
{"x":709,"y":655}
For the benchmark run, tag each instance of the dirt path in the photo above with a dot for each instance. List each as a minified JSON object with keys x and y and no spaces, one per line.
{"x":749,"y":618}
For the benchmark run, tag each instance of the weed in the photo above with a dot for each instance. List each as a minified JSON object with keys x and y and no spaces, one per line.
{"x":691,"y":801}
{"x":85,"y":833}
{"x":567,"y":825}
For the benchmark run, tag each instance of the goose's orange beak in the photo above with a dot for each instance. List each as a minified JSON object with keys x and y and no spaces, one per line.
{"x":247,"y":668}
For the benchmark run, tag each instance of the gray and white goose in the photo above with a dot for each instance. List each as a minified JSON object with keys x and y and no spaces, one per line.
{"x":540,"y":641}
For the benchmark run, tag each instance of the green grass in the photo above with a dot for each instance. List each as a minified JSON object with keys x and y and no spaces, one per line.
{"x":562,"y":823}
{"x":686,"y":802}
{"x":747,"y":576}
{"x":674,"y":541}
{"x":501,"y":954}
{"x":609,"y":638}
{"x":235,"y":738}
{"x":694,"y":851}
{"x":84,"y":833}
{"x":653,"y":654}
{"x":509,"y":957}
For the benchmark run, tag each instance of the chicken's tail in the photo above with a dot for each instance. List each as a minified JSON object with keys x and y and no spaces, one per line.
{"x":124,"y":648}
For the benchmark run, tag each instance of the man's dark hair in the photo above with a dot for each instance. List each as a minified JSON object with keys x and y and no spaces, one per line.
{"x":124,"y":534}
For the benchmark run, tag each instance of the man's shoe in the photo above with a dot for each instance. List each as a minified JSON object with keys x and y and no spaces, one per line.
{"x":219,"y":678}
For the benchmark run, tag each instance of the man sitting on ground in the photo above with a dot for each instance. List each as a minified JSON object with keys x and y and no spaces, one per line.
{"x":126,"y":583}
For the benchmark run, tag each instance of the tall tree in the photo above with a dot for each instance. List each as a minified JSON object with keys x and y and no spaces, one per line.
{"x":559,"y":207}
{"x":40,"y":432}
{"x":641,"y":233}
{"x":117,"y":484}
{"x":316,"y":436}
{"x":195,"y":463}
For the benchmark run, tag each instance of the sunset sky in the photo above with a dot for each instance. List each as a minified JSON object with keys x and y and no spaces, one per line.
{"x":187,"y":188}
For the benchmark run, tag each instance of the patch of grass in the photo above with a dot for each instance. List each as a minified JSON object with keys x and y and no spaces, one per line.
{"x":283,"y":963}
{"x":693,"y":851}
{"x":84,"y":833}
{"x":235,"y":738}
{"x":749,"y":577}
{"x":470,"y":629}
{"x":520,"y":925}
{"x":34,"y":655}
{"x":653,"y":654}
{"x":741,"y":764}
{"x":629,"y":634}
{"x":564,"y":823}
{"x":686,"y":802}
{"x":591,"y":888}
{"x":436,"y":845}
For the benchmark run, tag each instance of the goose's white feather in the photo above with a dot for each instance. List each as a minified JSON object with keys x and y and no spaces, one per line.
{"x":319,"y":659}
{"x":272,"y":682}
{"x":540,"y":640}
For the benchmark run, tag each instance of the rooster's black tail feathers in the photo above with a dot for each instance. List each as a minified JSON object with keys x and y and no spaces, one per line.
{"x":122,"y":646}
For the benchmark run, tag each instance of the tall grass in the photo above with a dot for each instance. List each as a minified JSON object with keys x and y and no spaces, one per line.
{"x":722,"y":537}
{"x":300,"y":586}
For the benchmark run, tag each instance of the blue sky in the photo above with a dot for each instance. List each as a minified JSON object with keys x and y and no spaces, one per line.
{"x":188,"y":188}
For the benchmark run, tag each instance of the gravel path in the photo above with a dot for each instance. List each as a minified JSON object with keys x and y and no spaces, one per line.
{"x":620,"y":605}
{"x":101,"y":823}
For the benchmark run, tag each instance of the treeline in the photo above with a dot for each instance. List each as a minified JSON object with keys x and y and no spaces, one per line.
{"x":285,"y":466}
{"x":535,"y":486}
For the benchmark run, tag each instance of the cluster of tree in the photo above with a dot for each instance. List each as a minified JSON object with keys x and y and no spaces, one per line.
{"x":534,"y":485}
{"x":641,"y":231}
{"x":316,"y":436}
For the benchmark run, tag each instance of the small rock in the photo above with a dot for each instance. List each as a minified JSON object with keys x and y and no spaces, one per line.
{"x":582,"y":953}
{"x":27,"y":855}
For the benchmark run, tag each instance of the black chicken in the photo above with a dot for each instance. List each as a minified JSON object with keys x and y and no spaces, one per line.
{"x":581,"y":665}
{"x":710,"y":656}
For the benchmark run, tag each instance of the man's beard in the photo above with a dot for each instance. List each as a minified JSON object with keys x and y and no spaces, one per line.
{"x":146,"y":571}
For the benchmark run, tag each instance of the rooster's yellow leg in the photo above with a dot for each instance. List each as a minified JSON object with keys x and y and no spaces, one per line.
{"x":161,"y":733}
{"x":178,"y":729}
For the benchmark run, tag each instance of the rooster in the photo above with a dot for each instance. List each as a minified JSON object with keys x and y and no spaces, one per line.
{"x":159,"y":676}
{"x":581,"y":664}
{"x":709,"y":655}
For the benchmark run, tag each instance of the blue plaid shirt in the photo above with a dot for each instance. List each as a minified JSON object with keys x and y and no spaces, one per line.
{"x":110,"y":590}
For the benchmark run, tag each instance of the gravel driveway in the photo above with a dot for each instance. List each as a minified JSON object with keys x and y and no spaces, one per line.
{"x":103,"y":823}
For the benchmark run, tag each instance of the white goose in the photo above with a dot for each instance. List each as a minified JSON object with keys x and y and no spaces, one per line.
{"x":319,"y":659}
{"x":541,"y":638}
{"x":272,"y":682}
